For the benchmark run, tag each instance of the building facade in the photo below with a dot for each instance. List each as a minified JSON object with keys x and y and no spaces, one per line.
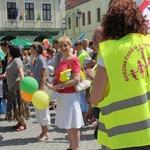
{"x":31,"y":19}
{"x":85,"y":16}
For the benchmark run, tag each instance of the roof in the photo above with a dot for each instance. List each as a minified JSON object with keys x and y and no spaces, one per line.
{"x":72,"y":3}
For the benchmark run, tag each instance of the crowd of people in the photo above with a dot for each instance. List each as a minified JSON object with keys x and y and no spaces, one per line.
{"x":45,"y":66}
{"x":116,"y":60}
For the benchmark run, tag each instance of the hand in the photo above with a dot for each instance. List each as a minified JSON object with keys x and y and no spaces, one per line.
{"x":90,"y":74}
{"x":50,"y":86}
{"x":2,"y":76}
{"x":90,"y":64}
{"x":41,"y":88}
{"x":89,"y":116}
{"x":57,"y":87}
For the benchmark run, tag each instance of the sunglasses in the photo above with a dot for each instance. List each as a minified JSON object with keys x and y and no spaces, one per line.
{"x":77,"y":44}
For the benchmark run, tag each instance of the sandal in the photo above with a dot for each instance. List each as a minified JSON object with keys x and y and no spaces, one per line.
{"x":21,"y":128}
{"x":16,"y":126}
{"x":37,"y":138}
{"x":43,"y":138}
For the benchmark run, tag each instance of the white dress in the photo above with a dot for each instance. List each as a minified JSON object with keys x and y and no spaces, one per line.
{"x":68,"y":111}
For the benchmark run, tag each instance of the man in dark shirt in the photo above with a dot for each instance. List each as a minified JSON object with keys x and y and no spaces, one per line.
{"x":5,"y":47}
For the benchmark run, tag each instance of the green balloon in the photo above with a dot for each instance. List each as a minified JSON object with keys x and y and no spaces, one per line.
{"x":29,"y":85}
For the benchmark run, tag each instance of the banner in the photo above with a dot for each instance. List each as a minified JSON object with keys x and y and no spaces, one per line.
{"x":79,"y":38}
{"x":16,"y":13}
{"x":145,"y":8}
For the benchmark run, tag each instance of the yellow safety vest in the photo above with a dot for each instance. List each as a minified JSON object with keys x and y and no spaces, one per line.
{"x":82,"y":58}
{"x":124,"y":119}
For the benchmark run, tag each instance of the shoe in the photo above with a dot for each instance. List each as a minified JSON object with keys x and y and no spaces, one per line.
{"x":21,"y":128}
{"x":16,"y":126}
{"x":37,"y":138}
{"x":43,"y":138}
{"x":51,"y":108}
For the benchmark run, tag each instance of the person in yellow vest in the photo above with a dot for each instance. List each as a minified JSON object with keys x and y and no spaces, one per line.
{"x":124,"y":120}
{"x":81,"y":53}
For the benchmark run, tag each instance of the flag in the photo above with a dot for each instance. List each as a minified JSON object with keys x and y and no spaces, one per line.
{"x":16,"y":12}
{"x":144,"y":4}
{"x":145,"y":8}
{"x":79,"y":38}
{"x":24,"y":13}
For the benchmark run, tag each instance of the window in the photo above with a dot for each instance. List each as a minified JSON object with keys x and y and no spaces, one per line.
{"x":98,"y":14}
{"x":77,"y":23}
{"x":29,"y":7}
{"x":89,"y":17}
{"x":69,"y":22}
{"x":46,"y":11}
{"x":12,"y":12}
{"x":83,"y":19}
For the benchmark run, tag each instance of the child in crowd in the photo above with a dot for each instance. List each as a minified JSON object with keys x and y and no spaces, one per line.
{"x":2,"y":100}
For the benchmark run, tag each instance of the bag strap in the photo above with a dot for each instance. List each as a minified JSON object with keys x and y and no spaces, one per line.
{"x":94,"y":67}
{"x":81,"y":72}
{"x":70,"y":63}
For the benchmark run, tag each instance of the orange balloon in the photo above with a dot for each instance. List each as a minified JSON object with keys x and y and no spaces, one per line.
{"x":26,"y":97}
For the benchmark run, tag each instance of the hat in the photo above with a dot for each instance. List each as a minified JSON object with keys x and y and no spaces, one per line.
{"x":21,"y":47}
{"x":5,"y":42}
{"x":50,"y":70}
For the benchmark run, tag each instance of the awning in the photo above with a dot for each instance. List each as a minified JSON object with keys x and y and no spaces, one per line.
{"x":17,"y":42}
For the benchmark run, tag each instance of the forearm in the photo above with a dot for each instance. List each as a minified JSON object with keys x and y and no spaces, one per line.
{"x":42,"y":83}
{"x":99,"y":86}
{"x":70,"y":83}
{"x":21,"y":73}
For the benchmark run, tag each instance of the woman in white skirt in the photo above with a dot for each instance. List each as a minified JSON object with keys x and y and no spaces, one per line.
{"x":68,"y":111}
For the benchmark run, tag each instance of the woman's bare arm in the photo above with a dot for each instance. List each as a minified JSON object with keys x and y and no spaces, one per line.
{"x":99,"y":85}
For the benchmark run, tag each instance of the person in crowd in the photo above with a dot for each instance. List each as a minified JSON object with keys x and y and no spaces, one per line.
{"x":96,"y":39}
{"x":39,"y":70}
{"x":58,"y":54}
{"x":51,"y":63}
{"x":83,"y":57}
{"x":21,"y":47}
{"x":2,"y":56}
{"x":17,"y":108}
{"x":2,"y":99}
{"x":26,"y":63}
{"x":50,"y":45}
{"x":81,"y":53}
{"x":3,"y":63}
{"x":68,"y":111}
{"x":51,"y":57}
{"x":86,"y":47}
{"x":91,"y":44}
{"x":92,"y":115}
{"x":118,"y":88}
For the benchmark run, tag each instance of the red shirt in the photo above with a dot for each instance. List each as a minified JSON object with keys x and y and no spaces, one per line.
{"x":74,"y":64}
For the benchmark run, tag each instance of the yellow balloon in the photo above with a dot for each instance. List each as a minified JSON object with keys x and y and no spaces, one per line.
{"x":40,"y":100}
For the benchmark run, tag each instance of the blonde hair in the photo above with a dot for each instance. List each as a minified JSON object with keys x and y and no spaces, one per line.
{"x":64,"y":39}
